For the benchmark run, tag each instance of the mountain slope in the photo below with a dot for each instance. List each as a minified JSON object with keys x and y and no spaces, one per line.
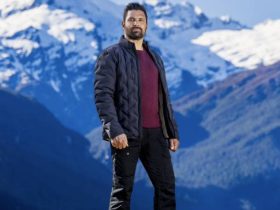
{"x":44,"y":165}
{"x":241,"y":155}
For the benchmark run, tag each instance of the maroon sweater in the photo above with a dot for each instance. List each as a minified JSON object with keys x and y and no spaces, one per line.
{"x":149,"y":90}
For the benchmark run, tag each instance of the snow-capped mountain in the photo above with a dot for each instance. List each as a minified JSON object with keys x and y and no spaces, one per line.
{"x":228,"y":117}
{"x":46,"y":48}
{"x":172,"y":27}
{"x":246,"y":48}
{"x":50,"y":47}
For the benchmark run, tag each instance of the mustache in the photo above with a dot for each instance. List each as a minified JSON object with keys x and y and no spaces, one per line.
{"x":136,"y":28}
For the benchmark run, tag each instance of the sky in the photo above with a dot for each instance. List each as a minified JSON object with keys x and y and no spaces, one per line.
{"x":248,"y":12}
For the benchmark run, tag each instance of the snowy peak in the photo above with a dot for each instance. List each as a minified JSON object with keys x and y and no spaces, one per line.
{"x":172,"y":26}
{"x":58,"y":23}
{"x":167,"y":15}
{"x":8,"y":7}
{"x":82,"y":7}
{"x":154,"y":2}
{"x":50,"y":47}
{"x":246,"y":48}
{"x":183,"y":15}
{"x":28,"y":28}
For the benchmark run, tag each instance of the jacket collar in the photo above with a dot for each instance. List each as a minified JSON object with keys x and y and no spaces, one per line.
{"x":126,"y":43}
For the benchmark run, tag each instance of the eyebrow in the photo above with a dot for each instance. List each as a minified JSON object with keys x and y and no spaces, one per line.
{"x":139,"y":16}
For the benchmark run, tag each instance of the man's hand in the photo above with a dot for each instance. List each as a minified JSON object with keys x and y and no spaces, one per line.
{"x":120,"y":141}
{"x":174,"y":144}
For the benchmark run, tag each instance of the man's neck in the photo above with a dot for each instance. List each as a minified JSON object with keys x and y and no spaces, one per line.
{"x":138,"y":43}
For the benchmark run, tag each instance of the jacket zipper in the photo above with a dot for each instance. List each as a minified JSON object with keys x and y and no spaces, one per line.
{"x":169,"y":110}
{"x":139,"y":94}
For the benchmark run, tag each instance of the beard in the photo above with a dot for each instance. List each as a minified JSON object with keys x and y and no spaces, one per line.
{"x":134,"y":33}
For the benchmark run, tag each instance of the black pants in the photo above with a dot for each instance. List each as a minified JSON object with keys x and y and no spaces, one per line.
{"x":154,"y":154}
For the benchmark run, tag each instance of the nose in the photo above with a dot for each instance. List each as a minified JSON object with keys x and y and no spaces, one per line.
{"x":135,"y":23}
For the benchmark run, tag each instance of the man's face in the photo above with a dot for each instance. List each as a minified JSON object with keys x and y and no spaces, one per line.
{"x":135,"y":24}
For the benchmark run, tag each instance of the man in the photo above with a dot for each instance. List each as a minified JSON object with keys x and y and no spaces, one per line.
{"x":133,"y":103}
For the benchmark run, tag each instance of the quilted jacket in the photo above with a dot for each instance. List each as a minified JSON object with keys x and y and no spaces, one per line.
{"x":117,"y":92}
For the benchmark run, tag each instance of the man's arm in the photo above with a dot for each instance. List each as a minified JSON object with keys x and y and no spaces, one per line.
{"x":104,"y":90}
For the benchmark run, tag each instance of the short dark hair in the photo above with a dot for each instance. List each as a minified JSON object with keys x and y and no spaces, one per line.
{"x":134,"y":6}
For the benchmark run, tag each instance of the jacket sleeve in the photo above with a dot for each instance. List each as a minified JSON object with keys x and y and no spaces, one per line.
{"x":176,"y":134}
{"x":104,"y":90}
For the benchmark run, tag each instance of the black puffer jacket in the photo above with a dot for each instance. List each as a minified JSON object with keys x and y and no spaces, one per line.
{"x":117,"y":92}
